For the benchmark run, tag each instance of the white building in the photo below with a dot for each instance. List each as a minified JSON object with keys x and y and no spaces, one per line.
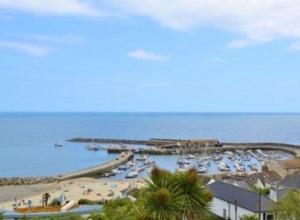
{"x":232,"y":202}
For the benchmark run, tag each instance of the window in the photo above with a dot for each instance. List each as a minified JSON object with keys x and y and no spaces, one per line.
{"x":224,"y":213}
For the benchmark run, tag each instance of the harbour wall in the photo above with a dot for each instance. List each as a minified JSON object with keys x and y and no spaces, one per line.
{"x":293,"y":149}
{"x":123,"y":158}
{"x":95,"y":171}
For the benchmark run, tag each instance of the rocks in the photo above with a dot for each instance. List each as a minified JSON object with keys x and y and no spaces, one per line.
{"x":26,"y":180}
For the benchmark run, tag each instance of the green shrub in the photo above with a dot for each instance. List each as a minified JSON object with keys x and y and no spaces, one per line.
{"x":87,"y":202}
{"x":55,"y":202}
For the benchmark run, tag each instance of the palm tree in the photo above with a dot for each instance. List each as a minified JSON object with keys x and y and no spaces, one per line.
{"x":46,"y":198}
{"x":194,"y":196}
{"x":175,"y":196}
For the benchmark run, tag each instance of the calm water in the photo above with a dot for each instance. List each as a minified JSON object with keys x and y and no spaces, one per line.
{"x":27,"y":139}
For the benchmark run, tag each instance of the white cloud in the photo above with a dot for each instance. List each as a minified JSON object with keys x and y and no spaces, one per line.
{"x":145,"y":55}
{"x":258,"y":21}
{"x":31,"y":49}
{"x":52,"y":7}
{"x":66,"y":39}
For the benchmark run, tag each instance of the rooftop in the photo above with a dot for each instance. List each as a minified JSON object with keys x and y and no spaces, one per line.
{"x":291,"y":182}
{"x":244,"y":198}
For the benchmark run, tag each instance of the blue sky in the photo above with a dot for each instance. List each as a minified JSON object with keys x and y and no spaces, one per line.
{"x":142,"y":55}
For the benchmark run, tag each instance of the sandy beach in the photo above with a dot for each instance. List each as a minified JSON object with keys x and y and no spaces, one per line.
{"x":75,"y":189}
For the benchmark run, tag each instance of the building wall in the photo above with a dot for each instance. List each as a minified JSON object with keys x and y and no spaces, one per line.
{"x":218,"y":206}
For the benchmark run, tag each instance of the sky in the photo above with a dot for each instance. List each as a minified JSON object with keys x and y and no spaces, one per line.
{"x":150,"y":55}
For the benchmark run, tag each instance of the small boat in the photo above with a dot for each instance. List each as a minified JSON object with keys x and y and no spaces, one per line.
{"x":148,"y":162}
{"x":92,"y":147}
{"x":182,"y":161}
{"x":239,"y":167}
{"x":109,"y":174}
{"x":122,"y":167}
{"x":189,"y":157}
{"x":132,"y":174}
{"x":130,"y":164}
{"x":116,"y":171}
{"x":217,"y":157}
{"x":202,"y":169}
{"x":223,"y":167}
{"x":58,"y":145}
{"x":142,"y":157}
{"x":253,"y":167}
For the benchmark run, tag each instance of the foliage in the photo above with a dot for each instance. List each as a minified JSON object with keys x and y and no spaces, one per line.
{"x":117,"y":209}
{"x":87,"y":202}
{"x":288,"y":207}
{"x":175,"y":196}
{"x":1,"y":216}
{"x":167,"y":196}
{"x":55,"y":202}
{"x":249,"y":217}
{"x":264,"y":191}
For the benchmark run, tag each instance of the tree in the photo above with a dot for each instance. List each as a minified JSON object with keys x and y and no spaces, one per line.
{"x":176,"y":196}
{"x":117,"y":209}
{"x":288,"y":207}
{"x":46,"y":198}
{"x":167,"y":196}
{"x":249,"y":217}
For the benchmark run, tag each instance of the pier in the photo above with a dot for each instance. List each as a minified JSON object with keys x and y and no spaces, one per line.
{"x":123,"y":158}
{"x":95,"y":171}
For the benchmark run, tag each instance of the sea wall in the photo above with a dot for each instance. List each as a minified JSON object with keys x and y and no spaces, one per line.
{"x":293,"y":149}
{"x":123,"y":158}
{"x":26,"y":180}
{"x":95,"y":171}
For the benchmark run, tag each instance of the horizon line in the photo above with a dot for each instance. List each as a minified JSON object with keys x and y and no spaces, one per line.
{"x":151,"y":112}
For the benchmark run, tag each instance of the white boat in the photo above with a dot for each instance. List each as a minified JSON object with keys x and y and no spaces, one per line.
{"x":92,"y":147}
{"x":202,"y":169}
{"x":116,"y":171}
{"x":142,"y":157}
{"x":130,"y":164}
{"x":58,"y":145}
{"x":223,"y":167}
{"x":218,"y":157}
{"x":253,"y":167}
{"x":182,"y":161}
{"x":239,"y":167}
{"x":262,"y":153}
{"x":189,"y":157}
{"x":148,"y":162}
{"x":140,"y":169}
{"x":132,"y":174}
{"x":122,"y":167}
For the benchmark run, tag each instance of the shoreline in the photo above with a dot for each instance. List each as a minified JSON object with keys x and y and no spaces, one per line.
{"x":72,"y":189}
{"x":127,"y":154}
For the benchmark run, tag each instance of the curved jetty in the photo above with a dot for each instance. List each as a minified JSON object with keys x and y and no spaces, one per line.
{"x":175,"y":149}
{"x":123,"y":158}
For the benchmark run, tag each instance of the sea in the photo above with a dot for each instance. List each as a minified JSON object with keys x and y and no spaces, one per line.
{"x":27,"y":139}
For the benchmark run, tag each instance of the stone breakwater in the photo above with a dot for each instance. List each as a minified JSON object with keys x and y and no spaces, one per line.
{"x":26,"y":180}
{"x":150,"y":142}
{"x":196,"y":149}
{"x":95,"y":171}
